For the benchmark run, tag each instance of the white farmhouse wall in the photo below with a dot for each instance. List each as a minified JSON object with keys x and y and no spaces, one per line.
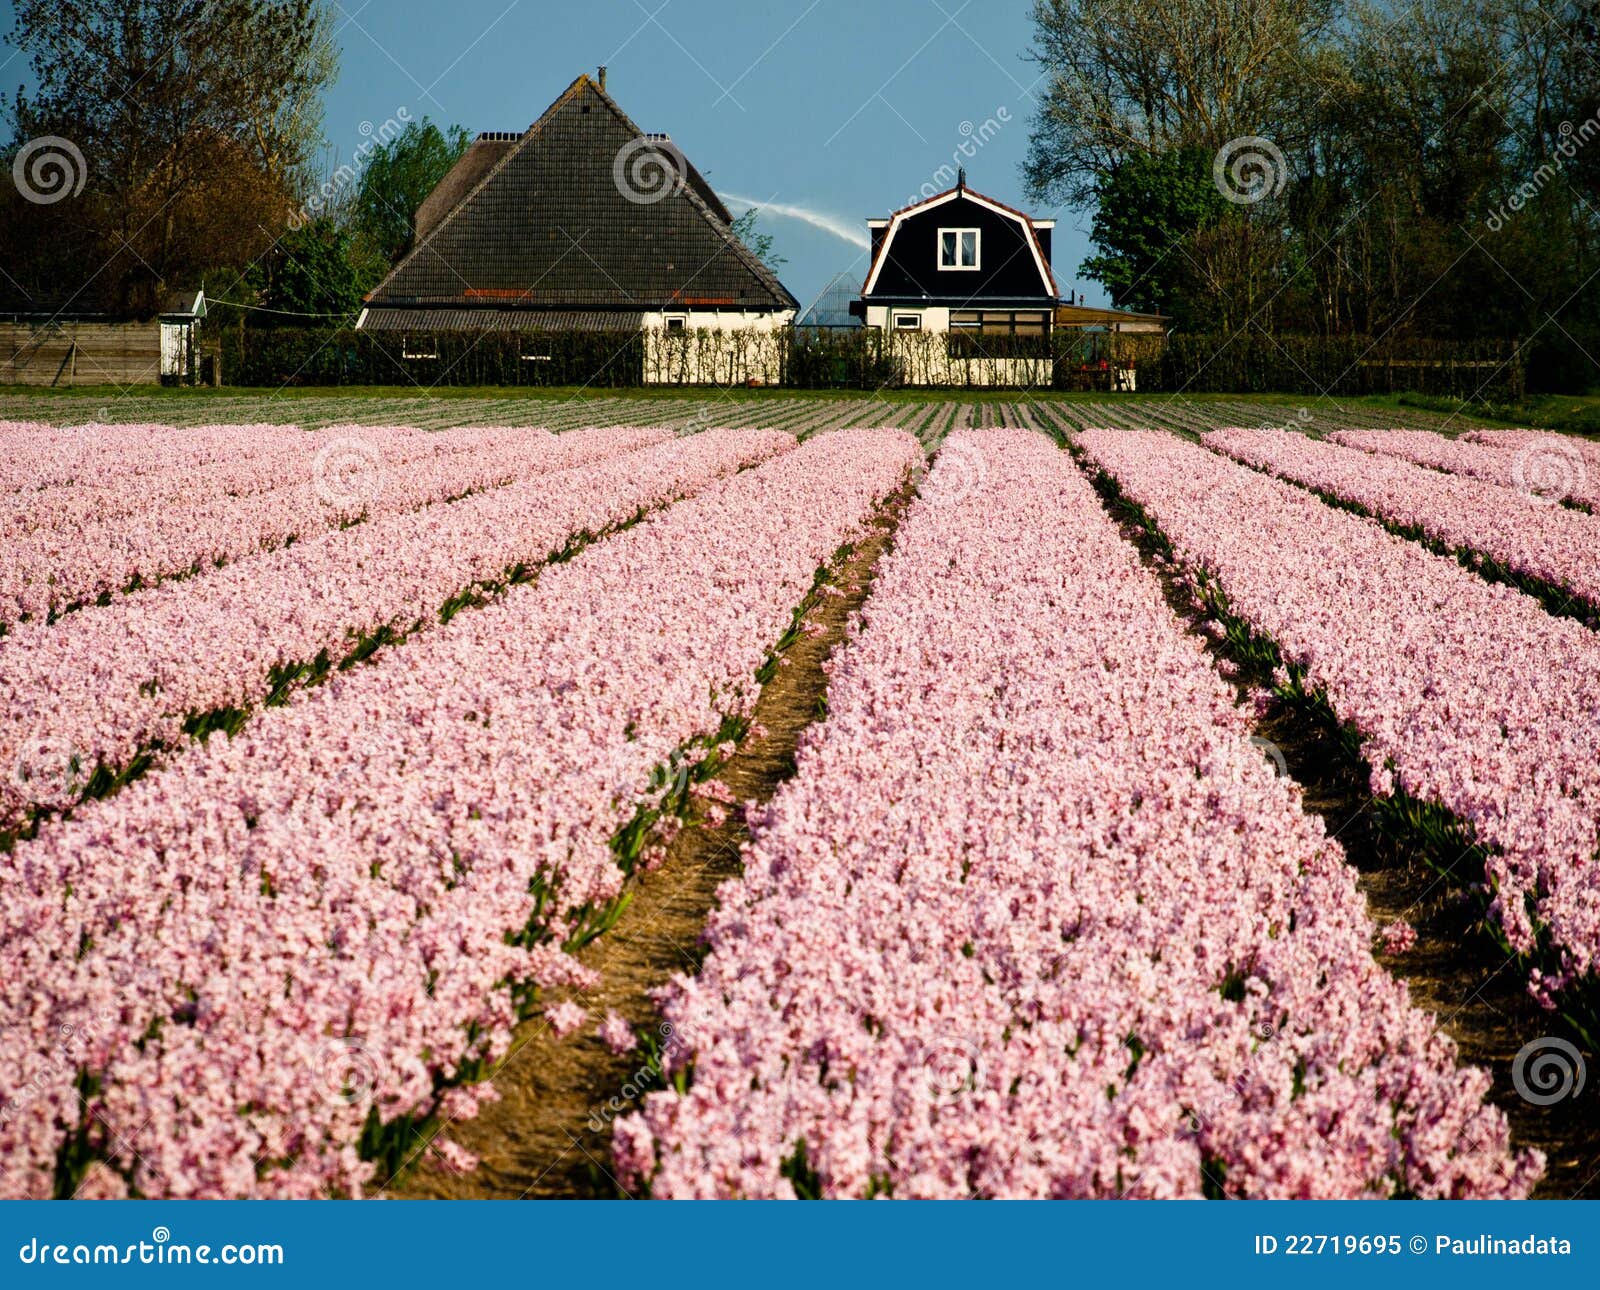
{"x":721,"y":347}
{"x":926,"y":361}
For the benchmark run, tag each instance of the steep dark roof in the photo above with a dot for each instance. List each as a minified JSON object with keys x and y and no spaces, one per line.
{"x":440,"y":318}
{"x":551,"y":224}
{"x":471,"y":166}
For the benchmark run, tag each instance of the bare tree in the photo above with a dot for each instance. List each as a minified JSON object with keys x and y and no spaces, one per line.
{"x":1163,"y":74}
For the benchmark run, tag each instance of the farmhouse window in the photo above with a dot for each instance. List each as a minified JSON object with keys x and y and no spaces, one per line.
{"x":908,"y":322}
{"x":677,"y":322}
{"x":1002,"y":322}
{"x":958,"y":248}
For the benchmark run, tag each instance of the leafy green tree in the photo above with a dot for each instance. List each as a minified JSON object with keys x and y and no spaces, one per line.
{"x":395,"y":180}
{"x":1145,"y":209}
{"x":313,"y":277}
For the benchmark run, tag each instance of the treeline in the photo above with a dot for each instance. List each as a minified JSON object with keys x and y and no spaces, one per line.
{"x":867,"y":359}
{"x":1425,"y":168}
{"x":165,"y":144}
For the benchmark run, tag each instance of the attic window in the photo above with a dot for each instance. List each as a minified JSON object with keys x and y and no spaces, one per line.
{"x":677,"y":322}
{"x":958,"y":248}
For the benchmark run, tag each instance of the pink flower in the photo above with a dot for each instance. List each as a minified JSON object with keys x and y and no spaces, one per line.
{"x":450,"y":1156}
{"x":617,"y":1034}
{"x":565,"y":1018}
{"x":1397,"y":937}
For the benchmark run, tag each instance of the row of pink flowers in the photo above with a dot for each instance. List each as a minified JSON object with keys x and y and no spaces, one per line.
{"x":250,"y":951}
{"x":1555,"y":544}
{"x":1516,"y":440}
{"x":1467,"y":694}
{"x":1036,"y":919}
{"x":366,"y":472}
{"x":276,"y":457}
{"x":1545,"y":469}
{"x":39,"y":456}
{"x":101,"y":686}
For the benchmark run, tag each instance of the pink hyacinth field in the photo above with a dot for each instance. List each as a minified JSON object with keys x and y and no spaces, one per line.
{"x":797,"y":798}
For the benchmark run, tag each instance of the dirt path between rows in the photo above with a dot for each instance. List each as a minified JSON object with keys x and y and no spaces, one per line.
{"x":1455,"y":970}
{"x":548,"y":1136}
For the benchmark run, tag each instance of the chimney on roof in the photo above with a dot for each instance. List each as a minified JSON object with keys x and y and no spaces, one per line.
{"x":961,"y":178}
{"x":602,"y":78}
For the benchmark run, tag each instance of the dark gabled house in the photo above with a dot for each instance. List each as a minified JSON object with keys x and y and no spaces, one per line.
{"x":960,"y":261}
{"x":582,"y":222}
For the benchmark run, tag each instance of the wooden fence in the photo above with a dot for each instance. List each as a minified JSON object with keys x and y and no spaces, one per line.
{"x":80,"y":353}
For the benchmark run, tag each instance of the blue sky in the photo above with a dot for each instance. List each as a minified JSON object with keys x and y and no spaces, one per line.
{"x":844,"y":109}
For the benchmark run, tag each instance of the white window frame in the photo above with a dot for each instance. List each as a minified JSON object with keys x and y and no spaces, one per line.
{"x":675,"y":322}
{"x":977,"y":250}
{"x":407,"y":352}
{"x":895,"y":316}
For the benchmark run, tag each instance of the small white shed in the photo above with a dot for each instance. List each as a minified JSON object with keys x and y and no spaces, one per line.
{"x":180,"y":322}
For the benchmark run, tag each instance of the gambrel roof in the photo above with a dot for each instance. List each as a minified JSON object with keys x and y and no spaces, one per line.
{"x":1034,"y":265}
{"x":581,"y":212}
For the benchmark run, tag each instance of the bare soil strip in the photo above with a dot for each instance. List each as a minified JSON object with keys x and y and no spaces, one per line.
{"x":549,"y":1134}
{"x":1455,"y":970}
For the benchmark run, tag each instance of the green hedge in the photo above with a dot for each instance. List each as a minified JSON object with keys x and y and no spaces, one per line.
{"x":1561,"y":360}
{"x":861,"y":358}
{"x":1344,"y":365}
{"x":277,"y":356}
